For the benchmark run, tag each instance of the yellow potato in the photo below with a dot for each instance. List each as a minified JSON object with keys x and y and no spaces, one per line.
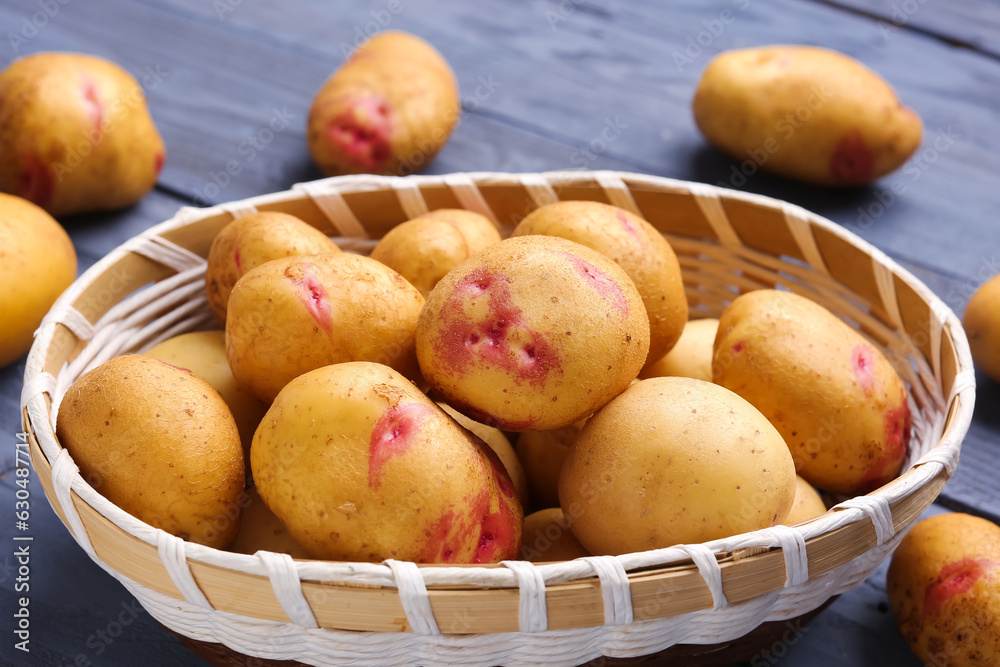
{"x":674,"y":461}
{"x":388,"y":110}
{"x":804,"y":112}
{"x":289,"y":316}
{"x":37,"y":263}
{"x":532,"y":333}
{"x":75,"y":134}
{"x":944,"y":587}
{"x":548,"y":536}
{"x":251,"y":240}
{"x":633,"y":244}
{"x":691,"y":357}
{"x":261,"y":530}
{"x":832,"y":395}
{"x":982,"y":324}
{"x":377,"y":470}
{"x":427,"y":247}
{"x":542,"y":454}
{"x":159,"y":442}
{"x":807,"y":503}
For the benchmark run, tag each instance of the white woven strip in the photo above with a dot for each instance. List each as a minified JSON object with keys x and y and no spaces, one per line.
{"x":43,"y":383}
{"x":804,"y":239}
{"x":615,"y":589}
{"x":165,"y":252}
{"x":539,"y":189}
{"x":64,"y":470}
{"x":532,"y":615}
{"x":413,"y":596}
{"x":944,"y":454}
{"x":469,"y":196}
{"x":711,"y":207}
{"x":793,"y":548}
{"x":72,"y":318}
{"x":708,"y":565}
{"x":171,"y":552}
{"x":331,"y":202}
{"x":616,"y":191}
{"x":238,"y":209}
{"x":877,"y":509}
{"x":287,"y":588}
{"x":964,"y":381}
{"x":410,"y":197}
{"x":886,"y":284}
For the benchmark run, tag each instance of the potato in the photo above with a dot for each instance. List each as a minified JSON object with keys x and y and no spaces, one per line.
{"x":292,"y":315}
{"x":548,"y":537}
{"x":425,"y":248}
{"x":804,"y":112}
{"x":204,"y":354}
{"x":388,"y":110}
{"x":982,"y":324}
{"x":75,"y":134}
{"x":944,"y":588}
{"x":261,"y":530}
{"x":633,"y":244}
{"x":360,"y":465}
{"x":806,"y":505}
{"x":542,"y":455}
{"x":251,"y":240}
{"x":159,"y":442}
{"x":674,"y":461}
{"x":832,"y":395}
{"x":532,"y":333}
{"x":691,"y":357}
{"x":37,"y":263}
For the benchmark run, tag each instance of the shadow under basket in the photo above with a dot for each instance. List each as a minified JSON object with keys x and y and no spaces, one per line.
{"x":273,"y":608}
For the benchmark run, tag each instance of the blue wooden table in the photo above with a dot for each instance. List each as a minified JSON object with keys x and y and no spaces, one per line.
{"x":546,"y":84}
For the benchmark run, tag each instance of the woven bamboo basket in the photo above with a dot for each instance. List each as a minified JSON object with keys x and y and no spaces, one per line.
{"x":395,"y":613}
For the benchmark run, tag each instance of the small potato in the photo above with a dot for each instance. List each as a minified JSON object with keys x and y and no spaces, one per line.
{"x":388,"y":110}
{"x":982,"y":324}
{"x":944,"y":588}
{"x":37,"y":262}
{"x":691,"y":357}
{"x":425,"y":248}
{"x":251,"y":240}
{"x":542,"y":455}
{"x":159,"y":442}
{"x":261,"y":530}
{"x":674,"y":461}
{"x":533,"y":333}
{"x":289,"y":316}
{"x":548,"y":537}
{"x":804,"y":112}
{"x":807,"y":503}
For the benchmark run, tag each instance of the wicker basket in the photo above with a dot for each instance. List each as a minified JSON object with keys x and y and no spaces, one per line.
{"x":319,"y":613}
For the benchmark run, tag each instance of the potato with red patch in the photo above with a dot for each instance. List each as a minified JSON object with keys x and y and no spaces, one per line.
{"x":359,"y":465}
{"x":292,"y":315}
{"x":533,"y":333}
{"x":633,"y":244}
{"x":806,"y":113}
{"x":691,"y":357}
{"x":75,"y":134}
{"x":944,"y":588}
{"x":388,"y":110}
{"x":251,"y":240}
{"x":836,"y":400}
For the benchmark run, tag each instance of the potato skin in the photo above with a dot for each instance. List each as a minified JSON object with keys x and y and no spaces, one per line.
{"x":691,"y":356}
{"x":833,"y":396}
{"x":806,"y":505}
{"x":542,"y":455}
{"x":360,"y":465}
{"x":292,"y":315}
{"x":75,"y":134}
{"x":533,"y":333}
{"x":548,"y":536}
{"x":982,"y":323}
{"x":37,"y":263}
{"x":944,"y":588}
{"x":260,"y":530}
{"x":388,"y":110}
{"x":804,"y":112}
{"x":159,"y":442}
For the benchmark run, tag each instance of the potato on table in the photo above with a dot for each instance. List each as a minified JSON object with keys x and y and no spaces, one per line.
{"x":982,"y":324}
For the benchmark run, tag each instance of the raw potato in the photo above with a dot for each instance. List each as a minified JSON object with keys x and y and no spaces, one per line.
{"x":37,"y":262}
{"x":548,"y":536}
{"x":804,"y":112}
{"x":807,"y":503}
{"x":542,"y":455}
{"x":261,"y":530}
{"x":635,"y":246}
{"x":360,"y":465}
{"x":427,"y":247}
{"x":832,"y":395}
{"x":75,"y":134}
{"x":160,"y":443}
{"x":292,"y":315}
{"x":533,"y":333}
{"x":674,"y":461}
{"x":251,"y":240}
{"x":388,"y":110}
{"x":944,"y":588}
{"x":982,"y":324}
{"x":691,"y":357}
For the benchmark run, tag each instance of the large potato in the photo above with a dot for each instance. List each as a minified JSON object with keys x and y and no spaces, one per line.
{"x":75,"y":134}
{"x":833,"y":396}
{"x":388,"y":110}
{"x":160,"y":443}
{"x":671,"y":461}
{"x":633,"y":244}
{"x":360,"y":465}
{"x":944,"y":587}
{"x":804,"y":112}
{"x":289,"y":316}
{"x":534,"y":332}
{"x":37,"y":262}
{"x":982,"y":324}
{"x":691,"y":357}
